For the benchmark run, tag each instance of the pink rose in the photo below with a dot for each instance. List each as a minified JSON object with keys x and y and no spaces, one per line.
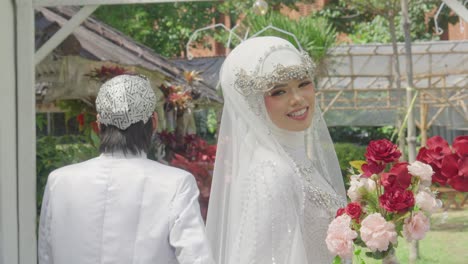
{"x":382,"y":151}
{"x":397,"y":177}
{"x":415,"y":227}
{"x":377,"y":233}
{"x":340,"y":237}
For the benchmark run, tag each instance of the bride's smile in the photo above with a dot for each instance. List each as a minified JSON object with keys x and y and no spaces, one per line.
{"x":290,"y":105}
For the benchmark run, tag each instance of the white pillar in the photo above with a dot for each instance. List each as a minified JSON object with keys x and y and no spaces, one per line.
{"x":8,"y":157}
{"x":26,"y":132}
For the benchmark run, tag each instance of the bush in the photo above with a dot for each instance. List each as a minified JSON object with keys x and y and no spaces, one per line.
{"x":55,"y":152}
{"x":347,"y":152}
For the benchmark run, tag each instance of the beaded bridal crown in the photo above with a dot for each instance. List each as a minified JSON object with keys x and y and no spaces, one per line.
{"x":125,"y":100}
{"x":248,"y":83}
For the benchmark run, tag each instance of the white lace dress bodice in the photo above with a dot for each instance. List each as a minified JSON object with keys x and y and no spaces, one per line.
{"x":320,"y":203}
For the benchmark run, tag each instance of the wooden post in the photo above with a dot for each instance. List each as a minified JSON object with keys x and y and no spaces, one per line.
{"x":423,"y":116}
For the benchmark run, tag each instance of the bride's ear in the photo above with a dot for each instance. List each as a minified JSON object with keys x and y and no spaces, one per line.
{"x":154,"y":119}
{"x":98,"y":123}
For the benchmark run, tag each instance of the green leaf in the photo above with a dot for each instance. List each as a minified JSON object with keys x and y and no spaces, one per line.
{"x":337,"y":260}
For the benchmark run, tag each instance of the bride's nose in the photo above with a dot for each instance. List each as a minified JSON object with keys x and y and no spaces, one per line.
{"x":296,"y":96}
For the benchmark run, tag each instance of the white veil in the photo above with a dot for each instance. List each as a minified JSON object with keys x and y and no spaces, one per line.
{"x":245,"y":127}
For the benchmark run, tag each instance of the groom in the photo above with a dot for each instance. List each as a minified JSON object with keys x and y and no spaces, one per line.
{"x":121,"y":207}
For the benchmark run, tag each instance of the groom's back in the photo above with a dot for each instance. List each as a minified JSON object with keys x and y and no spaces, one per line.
{"x":112,"y":210}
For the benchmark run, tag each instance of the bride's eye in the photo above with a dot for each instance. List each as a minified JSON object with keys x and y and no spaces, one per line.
{"x":305,"y":84}
{"x":277,"y":92}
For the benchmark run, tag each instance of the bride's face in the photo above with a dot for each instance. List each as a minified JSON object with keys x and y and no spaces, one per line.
{"x":290,"y":105}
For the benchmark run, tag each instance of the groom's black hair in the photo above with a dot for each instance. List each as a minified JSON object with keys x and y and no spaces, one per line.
{"x":135,"y":139}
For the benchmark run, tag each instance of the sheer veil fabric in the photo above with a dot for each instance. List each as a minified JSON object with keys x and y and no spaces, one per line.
{"x":264,"y":207}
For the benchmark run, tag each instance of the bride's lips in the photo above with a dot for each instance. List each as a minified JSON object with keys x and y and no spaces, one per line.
{"x":299,"y":114}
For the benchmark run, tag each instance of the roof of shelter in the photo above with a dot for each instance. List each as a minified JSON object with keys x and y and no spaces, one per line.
{"x":92,"y":45}
{"x":208,"y":67}
{"x":360,"y":86}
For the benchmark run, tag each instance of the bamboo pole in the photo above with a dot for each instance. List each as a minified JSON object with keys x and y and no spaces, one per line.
{"x":411,"y":135}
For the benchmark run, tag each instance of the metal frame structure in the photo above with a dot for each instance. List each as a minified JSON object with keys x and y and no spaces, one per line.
{"x":360,"y":77}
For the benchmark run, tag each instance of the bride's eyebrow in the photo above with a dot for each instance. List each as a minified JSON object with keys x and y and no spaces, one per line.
{"x":278,"y":86}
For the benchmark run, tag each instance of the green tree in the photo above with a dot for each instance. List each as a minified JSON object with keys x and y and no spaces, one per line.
{"x":365,"y":21}
{"x":164,"y":27}
{"x":314,"y":34}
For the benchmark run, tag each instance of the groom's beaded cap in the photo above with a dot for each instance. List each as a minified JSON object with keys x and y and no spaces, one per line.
{"x":125,"y":100}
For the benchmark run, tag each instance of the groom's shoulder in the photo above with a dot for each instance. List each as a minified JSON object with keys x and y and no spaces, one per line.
{"x":165,"y":169}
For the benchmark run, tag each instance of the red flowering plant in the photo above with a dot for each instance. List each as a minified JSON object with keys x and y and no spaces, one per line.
{"x":176,"y":98}
{"x":388,"y":199}
{"x":106,"y":73}
{"x":195,"y":155}
{"x":450,"y":164}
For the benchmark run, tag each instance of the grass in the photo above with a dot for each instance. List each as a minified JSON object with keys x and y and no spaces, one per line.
{"x":446,"y":243}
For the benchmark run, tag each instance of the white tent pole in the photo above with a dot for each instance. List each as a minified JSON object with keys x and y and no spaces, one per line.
{"x":26,"y":132}
{"x":8,"y":136}
{"x":38,"y":3}
{"x":458,"y":8}
{"x":64,"y":32}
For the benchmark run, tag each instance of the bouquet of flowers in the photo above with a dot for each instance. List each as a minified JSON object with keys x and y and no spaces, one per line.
{"x":388,"y":199}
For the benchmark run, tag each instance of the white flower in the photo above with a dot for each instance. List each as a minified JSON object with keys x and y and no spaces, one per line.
{"x":427,"y":201}
{"x":359,"y":186}
{"x":423,"y":171}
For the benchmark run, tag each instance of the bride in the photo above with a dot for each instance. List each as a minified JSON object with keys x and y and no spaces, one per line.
{"x":277,"y":183}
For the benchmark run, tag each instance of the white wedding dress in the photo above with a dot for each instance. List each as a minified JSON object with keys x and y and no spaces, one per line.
{"x":274,"y":192}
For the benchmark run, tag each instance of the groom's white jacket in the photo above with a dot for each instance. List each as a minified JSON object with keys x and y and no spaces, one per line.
{"x":117,"y":209}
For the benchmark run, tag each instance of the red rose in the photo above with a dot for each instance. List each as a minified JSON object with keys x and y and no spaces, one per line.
{"x":460,"y":145}
{"x":397,"y":200}
{"x":340,"y":211}
{"x":430,"y":156}
{"x":354,"y":210}
{"x":382,"y":151}
{"x":371,"y":168}
{"x":397,"y":177}
{"x":434,"y":159}
{"x":457,"y":173}
{"x":449,"y":166}
{"x":438,"y":144}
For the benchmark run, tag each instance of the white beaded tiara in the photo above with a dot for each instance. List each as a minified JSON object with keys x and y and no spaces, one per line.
{"x":125,"y":100}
